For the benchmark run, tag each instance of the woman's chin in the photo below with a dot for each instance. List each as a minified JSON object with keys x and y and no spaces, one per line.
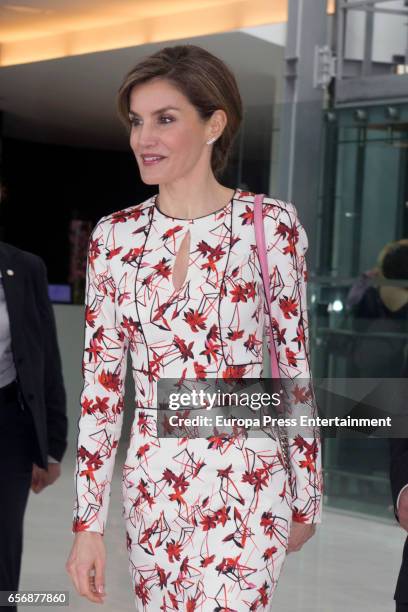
{"x":154,"y":178}
{"x":149,"y":180}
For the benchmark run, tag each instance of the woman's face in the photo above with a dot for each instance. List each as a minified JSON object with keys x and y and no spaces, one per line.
{"x":165,"y":123}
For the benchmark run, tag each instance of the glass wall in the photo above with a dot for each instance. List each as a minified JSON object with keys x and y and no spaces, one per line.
{"x":359,"y":320}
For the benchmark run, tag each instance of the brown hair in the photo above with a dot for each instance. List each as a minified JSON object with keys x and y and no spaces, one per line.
{"x":204,"y":79}
{"x":393,"y":259}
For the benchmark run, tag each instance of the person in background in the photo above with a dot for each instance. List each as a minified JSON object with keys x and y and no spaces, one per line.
{"x":399,"y":489}
{"x":385,"y":308}
{"x":381,"y":313}
{"x":33,"y":421}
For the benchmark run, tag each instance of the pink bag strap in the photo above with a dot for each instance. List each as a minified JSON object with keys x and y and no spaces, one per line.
{"x":263,"y":260}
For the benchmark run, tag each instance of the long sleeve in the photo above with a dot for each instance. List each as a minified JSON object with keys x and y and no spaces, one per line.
{"x":287,"y":243}
{"x":398,"y":469}
{"x":104,"y":370}
{"x":54,"y":390}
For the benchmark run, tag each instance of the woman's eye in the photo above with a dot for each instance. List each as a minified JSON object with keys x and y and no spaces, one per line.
{"x":167,"y":119}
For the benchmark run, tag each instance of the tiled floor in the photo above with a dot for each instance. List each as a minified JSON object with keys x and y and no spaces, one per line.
{"x":350,"y":565}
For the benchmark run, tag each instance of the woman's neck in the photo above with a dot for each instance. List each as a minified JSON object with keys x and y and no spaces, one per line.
{"x":178,"y":202}
{"x":394,"y":297}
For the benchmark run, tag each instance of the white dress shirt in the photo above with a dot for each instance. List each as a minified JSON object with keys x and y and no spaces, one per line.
{"x":7,"y":367}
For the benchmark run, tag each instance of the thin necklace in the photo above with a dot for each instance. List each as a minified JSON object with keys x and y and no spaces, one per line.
{"x":201,"y":216}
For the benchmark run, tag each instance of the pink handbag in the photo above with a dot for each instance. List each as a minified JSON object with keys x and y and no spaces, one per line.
{"x":263,"y":260}
{"x":261,"y":248}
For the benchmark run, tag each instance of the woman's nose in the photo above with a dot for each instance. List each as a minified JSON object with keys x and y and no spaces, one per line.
{"x":146,"y":135}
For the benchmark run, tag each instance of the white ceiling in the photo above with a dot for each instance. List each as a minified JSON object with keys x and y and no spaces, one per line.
{"x":72,"y":100}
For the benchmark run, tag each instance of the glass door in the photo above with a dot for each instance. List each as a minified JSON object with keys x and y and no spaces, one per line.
{"x":363,"y":204}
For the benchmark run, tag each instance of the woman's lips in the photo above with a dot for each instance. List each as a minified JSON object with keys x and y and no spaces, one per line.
{"x":152,"y":162}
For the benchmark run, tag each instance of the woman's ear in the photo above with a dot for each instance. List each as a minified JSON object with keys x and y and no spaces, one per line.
{"x":217,"y":124}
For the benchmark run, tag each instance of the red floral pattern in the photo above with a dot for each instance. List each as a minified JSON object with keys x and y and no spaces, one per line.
{"x":207,"y":520}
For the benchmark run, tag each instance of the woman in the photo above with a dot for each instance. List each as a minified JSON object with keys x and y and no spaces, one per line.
{"x":380,"y":311}
{"x":176,"y":280}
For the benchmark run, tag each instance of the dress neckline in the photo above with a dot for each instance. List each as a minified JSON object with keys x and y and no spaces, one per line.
{"x":202,"y":217}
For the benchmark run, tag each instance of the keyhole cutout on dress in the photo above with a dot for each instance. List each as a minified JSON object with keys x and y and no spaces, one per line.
{"x":181,"y":262}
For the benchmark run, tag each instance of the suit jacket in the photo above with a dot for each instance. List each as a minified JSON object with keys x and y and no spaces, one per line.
{"x":35,"y":349}
{"x":399,"y":478}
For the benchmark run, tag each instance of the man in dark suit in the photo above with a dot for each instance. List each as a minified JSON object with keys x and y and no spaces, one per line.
{"x":399,"y":488}
{"x":33,"y":421}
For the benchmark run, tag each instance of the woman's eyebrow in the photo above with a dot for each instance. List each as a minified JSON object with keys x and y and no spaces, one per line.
{"x":156,"y":112}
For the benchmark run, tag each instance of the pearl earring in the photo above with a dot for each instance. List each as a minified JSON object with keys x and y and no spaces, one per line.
{"x":212,"y":140}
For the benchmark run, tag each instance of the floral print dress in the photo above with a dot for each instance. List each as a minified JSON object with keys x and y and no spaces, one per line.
{"x":206,"y":520}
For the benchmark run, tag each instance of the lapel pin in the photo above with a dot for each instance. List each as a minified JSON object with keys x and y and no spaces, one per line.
{"x":10,"y":272}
